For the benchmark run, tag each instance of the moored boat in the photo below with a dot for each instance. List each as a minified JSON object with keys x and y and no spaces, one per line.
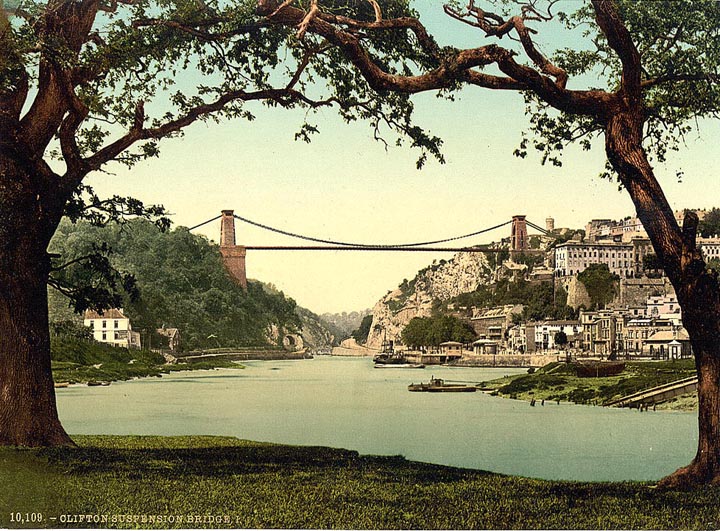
{"x":599,"y":369}
{"x":399,"y":366}
{"x":437,"y":385}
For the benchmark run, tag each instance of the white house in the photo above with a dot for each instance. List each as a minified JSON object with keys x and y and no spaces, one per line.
{"x":544,"y":334}
{"x":113,"y":327}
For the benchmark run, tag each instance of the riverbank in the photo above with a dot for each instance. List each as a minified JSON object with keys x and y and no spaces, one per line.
{"x":223,"y":482}
{"x":80,"y":362}
{"x":559,"y":382}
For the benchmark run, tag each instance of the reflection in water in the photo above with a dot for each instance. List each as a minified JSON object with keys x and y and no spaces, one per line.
{"x":345,"y":403}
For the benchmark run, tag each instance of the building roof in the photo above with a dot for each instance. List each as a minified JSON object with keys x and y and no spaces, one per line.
{"x":667,"y":336}
{"x":450,"y":343}
{"x":168,"y":332}
{"x":112,"y":313}
{"x":498,"y":311}
{"x":485,"y":342}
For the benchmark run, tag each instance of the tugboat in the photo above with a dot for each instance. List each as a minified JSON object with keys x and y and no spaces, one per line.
{"x":389,"y":359}
{"x":437,"y":385}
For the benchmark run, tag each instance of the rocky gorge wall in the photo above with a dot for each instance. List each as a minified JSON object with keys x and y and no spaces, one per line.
{"x":440,"y":281}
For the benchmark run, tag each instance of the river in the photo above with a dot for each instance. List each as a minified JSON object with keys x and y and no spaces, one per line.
{"x":346,"y":403}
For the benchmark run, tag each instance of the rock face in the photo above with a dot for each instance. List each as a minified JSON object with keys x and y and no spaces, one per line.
{"x":315,"y":333}
{"x":440,"y":281}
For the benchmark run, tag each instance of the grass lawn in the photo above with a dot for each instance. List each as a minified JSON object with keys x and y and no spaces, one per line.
{"x":221,"y":482}
{"x":557,"y":381}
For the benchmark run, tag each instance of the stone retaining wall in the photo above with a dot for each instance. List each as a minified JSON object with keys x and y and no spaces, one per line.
{"x":508,"y":360}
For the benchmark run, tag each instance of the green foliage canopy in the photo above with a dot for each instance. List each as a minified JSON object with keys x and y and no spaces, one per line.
{"x":431,"y":331}
{"x":360,"y":335}
{"x":181,"y":282}
{"x":600,"y":284}
{"x":710,"y":225}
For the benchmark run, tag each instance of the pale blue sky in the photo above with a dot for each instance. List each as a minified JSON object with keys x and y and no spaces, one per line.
{"x":346,"y":186}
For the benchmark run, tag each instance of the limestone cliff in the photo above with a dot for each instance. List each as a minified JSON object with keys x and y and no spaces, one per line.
{"x":439,"y":281}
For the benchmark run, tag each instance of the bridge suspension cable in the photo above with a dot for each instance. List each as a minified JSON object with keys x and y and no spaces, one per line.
{"x":538,"y":228}
{"x":349,"y":246}
{"x":365,"y":245}
{"x":205,"y":223}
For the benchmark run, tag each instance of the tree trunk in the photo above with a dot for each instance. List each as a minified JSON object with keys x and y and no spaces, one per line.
{"x":700,"y":303}
{"x":28,"y":412}
{"x":697,"y":289}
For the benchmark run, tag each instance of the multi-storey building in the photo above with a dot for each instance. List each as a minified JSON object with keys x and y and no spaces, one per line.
{"x":602,"y":333}
{"x":637,"y":332}
{"x":492,"y":323}
{"x":663,"y":306}
{"x":710,"y":248}
{"x":624,"y":259}
{"x":112,"y":326}
{"x":541,"y":335}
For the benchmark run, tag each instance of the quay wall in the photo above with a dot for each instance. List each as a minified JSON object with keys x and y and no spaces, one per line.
{"x":356,"y":351}
{"x":508,"y":360}
{"x":261,"y":355}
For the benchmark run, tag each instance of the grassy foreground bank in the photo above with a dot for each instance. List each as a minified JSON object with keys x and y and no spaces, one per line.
{"x":221,"y":482}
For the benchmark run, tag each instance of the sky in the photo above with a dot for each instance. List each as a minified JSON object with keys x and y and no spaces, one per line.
{"x":346,"y":186}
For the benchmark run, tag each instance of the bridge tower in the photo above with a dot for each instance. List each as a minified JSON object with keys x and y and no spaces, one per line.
{"x":233,"y":255}
{"x":518,"y":234}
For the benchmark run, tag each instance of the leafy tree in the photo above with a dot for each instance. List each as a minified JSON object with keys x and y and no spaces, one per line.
{"x":651,"y":262}
{"x":94,"y":82}
{"x":361,"y":334}
{"x":416,"y":333}
{"x":600,"y":284}
{"x":495,"y":259}
{"x":181,"y":283}
{"x":651,"y":265}
{"x":647,"y":74}
{"x":710,"y":224}
{"x":561,"y":339}
{"x":431,"y":331}
{"x":529,"y":259}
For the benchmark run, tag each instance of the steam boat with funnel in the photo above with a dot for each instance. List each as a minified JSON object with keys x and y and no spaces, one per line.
{"x":388,"y":359}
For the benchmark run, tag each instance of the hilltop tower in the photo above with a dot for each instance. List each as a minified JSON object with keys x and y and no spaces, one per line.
{"x":233,"y":255}
{"x":549,"y":224}
{"x":518,"y":234}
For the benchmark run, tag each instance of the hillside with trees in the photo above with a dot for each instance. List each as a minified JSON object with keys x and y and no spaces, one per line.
{"x":176,"y":279}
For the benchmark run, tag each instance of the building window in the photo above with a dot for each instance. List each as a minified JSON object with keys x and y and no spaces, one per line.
{"x":104,"y":336}
{"x":116,"y":324}
{"x":104,"y":323}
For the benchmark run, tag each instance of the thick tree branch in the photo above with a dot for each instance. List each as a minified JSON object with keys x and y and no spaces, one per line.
{"x":480,"y":79}
{"x":494,"y":26}
{"x":452,"y":69}
{"x":673,"y":78}
{"x":137,"y":132}
{"x":70,"y":125}
{"x":307,"y":19}
{"x":620,"y":40}
{"x":426,"y":41}
{"x":67,"y":24}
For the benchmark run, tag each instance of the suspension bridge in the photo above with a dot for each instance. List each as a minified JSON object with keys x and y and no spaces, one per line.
{"x":234,"y":254}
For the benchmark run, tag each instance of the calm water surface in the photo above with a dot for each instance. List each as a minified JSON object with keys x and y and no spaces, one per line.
{"x":345,"y":403}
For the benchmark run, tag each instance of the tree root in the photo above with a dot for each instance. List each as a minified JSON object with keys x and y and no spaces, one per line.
{"x":693,"y":476}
